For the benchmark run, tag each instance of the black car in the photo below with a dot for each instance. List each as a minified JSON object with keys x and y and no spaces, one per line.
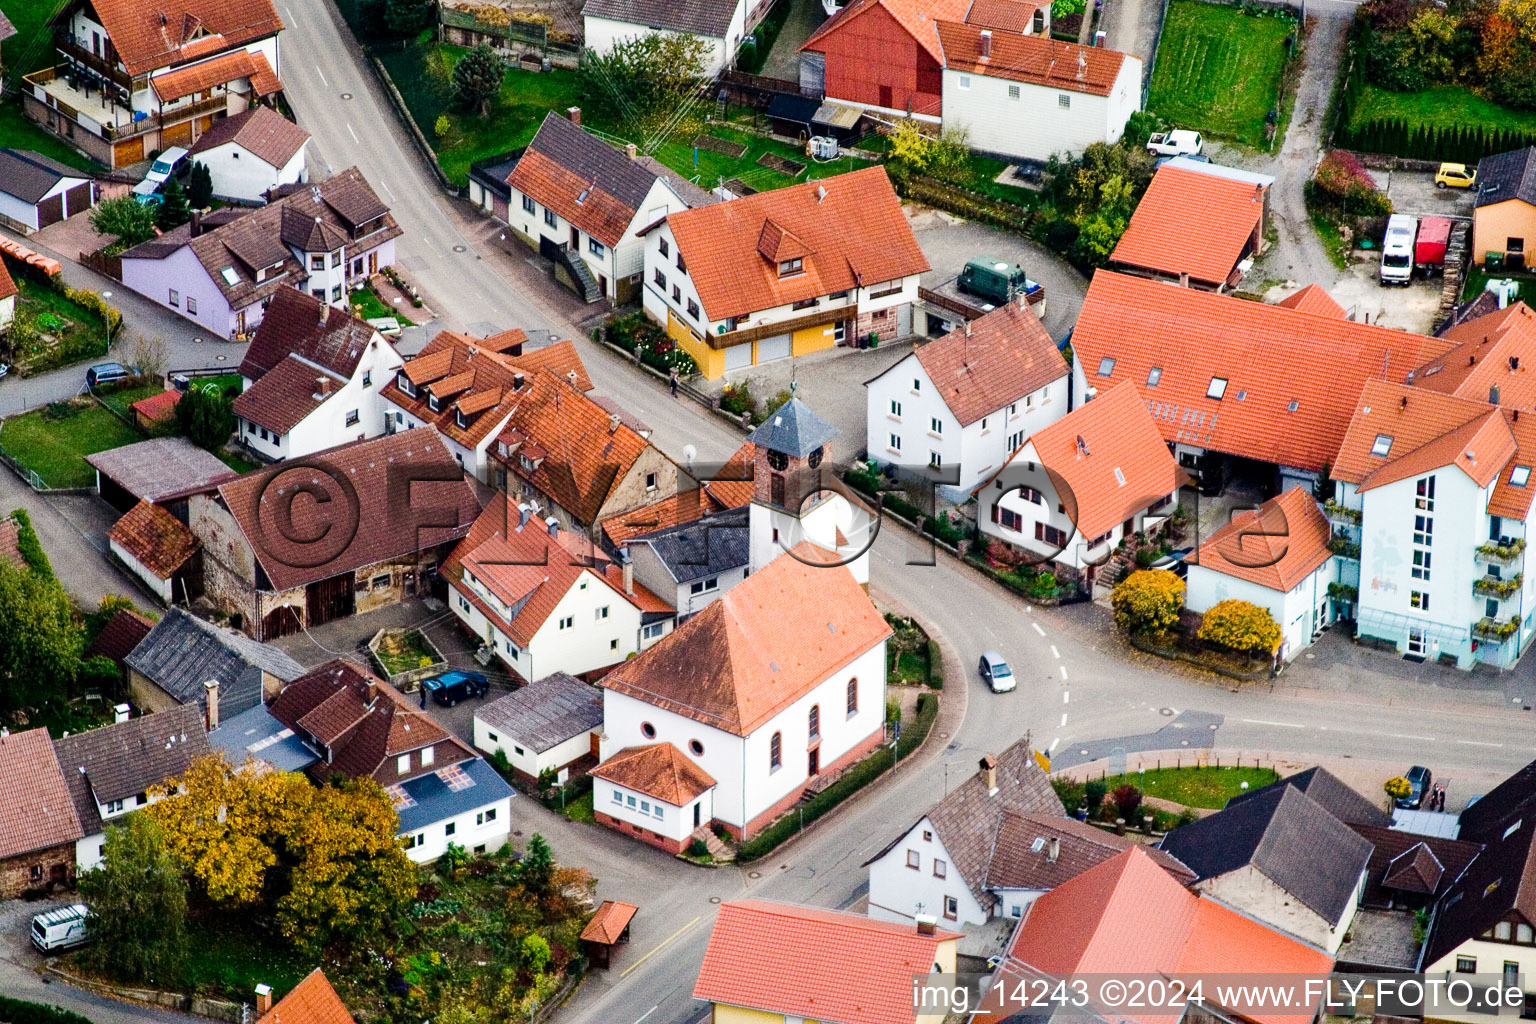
{"x":1419,"y":780}
{"x":451,"y":687}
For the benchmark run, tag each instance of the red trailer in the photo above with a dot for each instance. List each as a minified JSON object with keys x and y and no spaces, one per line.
{"x":1429,"y":250}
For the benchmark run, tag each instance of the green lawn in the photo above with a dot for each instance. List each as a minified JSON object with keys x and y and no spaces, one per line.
{"x":79,"y":333}
{"x":373,"y":307}
{"x":16,"y":132}
{"x":122,"y":399}
{"x":53,"y":441}
{"x":580,"y":809}
{"x":1477,"y":280}
{"x":1218,"y":69}
{"x":29,"y":18}
{"x":235,"y":462}
{"x":227,"y":956}
{"x":1447,"y":106}
{"x":1194,"y":787}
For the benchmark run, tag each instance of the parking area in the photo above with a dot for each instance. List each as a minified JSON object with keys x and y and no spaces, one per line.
{"x":74,"y":235}
{"x":1414,"y":193}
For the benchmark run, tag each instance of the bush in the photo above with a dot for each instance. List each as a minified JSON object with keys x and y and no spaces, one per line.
{"x":1148,"y":602}
{"x":29,"y":547}
{"x":19,"y":1011}
{"x":738,"y":399}
{"x":697,"y":848}
{"x":1126,"y":800}
{"x":1093,"y":795}
{"x":94,"y":302}
{"x":935,"y":665}
{"x":1061,"y":235}
{"x":1240,"y":626}
{"x":1343,"y":183}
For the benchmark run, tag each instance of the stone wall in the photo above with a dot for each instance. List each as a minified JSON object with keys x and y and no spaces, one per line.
{"x":37,"y":870}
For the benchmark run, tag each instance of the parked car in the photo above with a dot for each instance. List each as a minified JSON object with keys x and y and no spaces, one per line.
{"x":993,"y":279}
{"x":108,"y":373}
{"x":1455,"y":176}
{"x":996,"y":673}
{"x":173,"y":161}
{"x":1397,"y":250}
{"x":5,"y":370}
{"x":57,"y":930}
{"x":1175,"y":143}
{"x":451,"y":687}
{"x":1419,"y":780}
{"x":1174,"y":562}
{"x":148,"y":197}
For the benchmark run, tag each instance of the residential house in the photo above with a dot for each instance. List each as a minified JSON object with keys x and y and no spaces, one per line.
{"x":1331,"y":793}
{"x":1311,"y":299}
{"x":362,"y":727}
{"x":38,"y":823}
{"x":7,"y":30}
{"x":250,"y":153}
{"x":1504,"y":213}
{"x":311,"y":1001}
{"x":966,"y":402}
{"x":1129,"y":917}
{"x":1027,"y":96}
{"x":184,"y":660}
{"x":1434,"y":497}
{"x":583,"y":204}
{"x":380,"y":518}
{"x":551,"y":725}
{"x":719,"y":488}
{"x":313,"y":375}
{"x":1278,"y":558}
{"x":325,"y":239}
{"x":692,"y":564}
{"x":36,"y":191}
{"x":1230,"y":205}
{"x":112,"y":770}
{"x":469,"y":388}
{"x":159,"y":550}
{"x":784,"y":273}
{"x":886,"y":56}
{"x":1281,"y":857}
{"x":1409,"y":871}
{"x":1220,"y":377}
{"x":1080,"y":486}
{"x":756,"y":966}
{"x":8,"y":293}
{"x":133,"y":78}
{"x":124,"y":631}
{"x":162,"y":471}
{"x":720,"y":25}
{"x":763,"y":736}
{"x":544,"y":599}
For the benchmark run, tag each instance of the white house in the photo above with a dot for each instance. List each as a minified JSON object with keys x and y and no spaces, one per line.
{"x":544,"y":599}
{"x":155,"y":546}
{"x":548,"y":725}
{"x":966,"y":402}
{"x":1079,"y":486}
{"x":248,"y":153}
{"x":719,"y":24}
{"x":313,"y":379}
{"x":743,"y":694}
{"x":36,"y":191}
{"x":655,"y":793}
{"x":8,"y":293}
{"x":1276,"y":557}
{"x":574,"y":195}
{"x":785,"y":272}
{"x":111,"y":770}
{"x":694,"y":563}
{"x":1030,"y":96}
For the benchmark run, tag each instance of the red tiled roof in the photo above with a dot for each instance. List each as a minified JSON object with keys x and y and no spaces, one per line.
{"x":7,"y":286}
{"x":1497,"y":350}
{"x":154,"y":538}
{"x":260,"y":131}
{"x":855,"y":232}
{"x":122,"y":633}
{"x":601,"y":215}
{"x":1159,"y":236}
{"x":1313,"y":299}
{"x":917,"y":17}
{"x":159,"y":407}
{"x":608,"y":924}
{"x":264,"y":81}
{"x":715,"y":495}
{"x":1002,"y":15}
{"x":1269,"y":356}
{"x":148,"y":36}
{"x":659,"y":770}
{"x":1277,"y":546}
{"x":10,"y":542}
{"x":296,"y":323}
{"x":37,"y":811}
{"x":311,"y":1001}
{"x":769,"y":641}
{"x":173,"y":85}
{"x":995,"y":361}
{"x":286,"y":394}
{"x":818,"y":964}
{"x":1034,"y":60}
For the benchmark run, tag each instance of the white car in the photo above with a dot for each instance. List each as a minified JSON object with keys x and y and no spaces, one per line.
{"x":1176,"y":143}
{"x":165,"y":165}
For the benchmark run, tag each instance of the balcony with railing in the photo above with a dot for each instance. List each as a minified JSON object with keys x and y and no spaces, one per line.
{"x":1341,"y":515}
{"x":73,"y":49}
{"x":1502,"y":554}
{"x":1341,"y":545}
{"x":1492,"y":630}
{"x":88,"y":108}
{"x":1499,"y":587}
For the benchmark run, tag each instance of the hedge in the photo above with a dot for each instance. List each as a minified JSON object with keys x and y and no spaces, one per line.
{"x":30,"y":548}
{"x":1459,"y":144}
{"x":19,"y":1011}
{"x":935,"y":665}
{"x":853,"y":780}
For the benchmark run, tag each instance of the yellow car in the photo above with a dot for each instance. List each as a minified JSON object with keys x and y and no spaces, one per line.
{"x":1455,"y":176}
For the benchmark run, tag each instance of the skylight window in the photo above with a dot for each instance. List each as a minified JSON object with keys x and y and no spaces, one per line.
{"x":1293,"y":406}
{"x":1154,"y":375}
{"x":1119,"y":477}
{"x":583,"y":197}
{"x":1242,"y":396}
{"x":1106,"y":366}
{"x":1383,"y":444}
{"x":1519,"y":476}
{"x":1217,"y":389}
{"x":229,"y":275}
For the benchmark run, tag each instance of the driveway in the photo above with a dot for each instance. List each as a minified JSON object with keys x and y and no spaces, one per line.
{"x":805,"y":17}
{"x":1414,"y":192}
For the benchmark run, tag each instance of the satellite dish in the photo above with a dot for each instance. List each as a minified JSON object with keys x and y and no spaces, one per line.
{"x":689,"y":454}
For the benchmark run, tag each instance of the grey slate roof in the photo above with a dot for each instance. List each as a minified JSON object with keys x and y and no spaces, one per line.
{"x":183,"y":652}
{"x":704,"y":547}
{"x":162,"y":468}
{"x":254,"y":733}
{"x":127,"y":758}
{"x":545,"y":713}
{"x":794,"y":430}
{"x":1289,"y":838}
{"x":1338,"y":798}
{"x":585,"y":155}
{"x":701,"y":17}
{"x":1505,"y":176}
{"x":28,"y":176}
{"x":434,"y":801}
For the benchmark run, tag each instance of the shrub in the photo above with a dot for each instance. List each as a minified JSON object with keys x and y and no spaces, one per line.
{"x":1397,"y":787}
{"x":19,"y":1011}
{"x":1126,"y":800}
{"x":1343,"y":182}
{"x":1093,"y":795}
{"x":697,"y":848}
{"x":1148,"y":602}
{"x":935,"y":665}
{"x":738,"y":399}
{"x":1061,"y":235}
{"x":1240,"y":626}
{"x":29,"y":547}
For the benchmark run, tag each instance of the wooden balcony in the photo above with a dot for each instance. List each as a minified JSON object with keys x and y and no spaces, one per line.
{"x":107,"y":68}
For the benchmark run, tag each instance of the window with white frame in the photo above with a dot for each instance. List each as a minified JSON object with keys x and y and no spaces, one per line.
{"x":935,"y":425}
{"x":896,"y":442}
{"x":567,"y":621}
{"x":402,"y":764}
{"x":895,"y":408}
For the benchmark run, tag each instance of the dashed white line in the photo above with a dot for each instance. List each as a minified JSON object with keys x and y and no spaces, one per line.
{"x":1063,"y":719}
{"x":1052,"y":747}
{"x":1283,"y":725}
{"x":1063,"y":670}
{"x":647,"y":1013}
{"x":385,"y":185}
{"x":1037,"y":628}
{"x":1065,"y":694}
{"x":1407,"y":736}
{"x":1479,"y":743}
{"x":353,"y":134}
{"x":322,"y":76}
{"x":1054,"y":652}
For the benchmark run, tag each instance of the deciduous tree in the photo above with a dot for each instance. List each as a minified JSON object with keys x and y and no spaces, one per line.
{"x":1240,"y":626}
{"x":40,"y":639}
{"x":138,"y":901}
{"x":126,"y":220}
{"x":206,"y":416}
{"x":647,"y":83}
{"x":407,"y":17}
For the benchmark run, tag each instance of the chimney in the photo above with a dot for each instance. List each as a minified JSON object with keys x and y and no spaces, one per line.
{"x":197,"y":223}
{"x":613,"y":422}
{"x":1184,"y":280}
{"x":212,"y":689}
{"x":1493,"y":395}
{"x":630,"y":151}
{"x":989,"y":773}
{"x":263,"y":1000}
{"x":574,"y":113}
{"x":322,"y":310}
{"x":926,"y":924}
{"x":523,"y":514}
{"x":1514,"y":363}
{"x":629,"y":570}
{"x":1403,"y":402}
{"x":322,"y":387}
{"x":1053,"y":851}
{"x":517,"y":381}
{"x":553,"y":525}
{"x":986,"y":43}
{"x":120,"y":713}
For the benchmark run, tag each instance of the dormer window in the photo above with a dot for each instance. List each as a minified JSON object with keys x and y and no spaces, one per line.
{"x":458,"y":418}
{"x":433,"y":403}
{"x":525,"y":462}
{"x":790,"y":268}
{"x":404,"y":384}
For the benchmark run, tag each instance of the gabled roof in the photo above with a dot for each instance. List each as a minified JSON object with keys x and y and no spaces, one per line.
{"x":150,"y":36}
{"x":698,"y":17}
{"x":7,"y":286}
{"x":441,"y":795}
{"x":794,"y":429}
{"x":154,"y":538}
{"x":1395,"y":860}
{"x":1033,"y":59}
{"x":1332,"y":793}
{"x":1508,"y":800}
{"x":608,"y":924}
{"x":852,"y":224}
{"x":766,"y":643}
{"x":1505,"y":176}
{"x":29,"y":176}
{"x":702,"y":548}
{"x":311,"y":1001}
{"x":122,"y":633}
{"x":1268,"y":356}
{"x":1159,"y":238}
{"x":545,"y":713}
{"x":121,"y":760}
{"x":37,"y":811}
{"x":1002,"y":15}
{"x":916,"y":17}
{"x":729,"y":487}
{"x":370,"y":466}
{"x":299,"y":324}
{"x":1022,"y":856}
{"x":821,"y":964}
{"x":183,"y":652}
{"x":992,"y":362}
{"x":1496,"y":350}
{"x":260,"y":131}
{"x":1313,"y":299}
{"x":659,"y":770}
{"x":1276,"y":546}
{"x":286,"y":394}
{"x":162,"y":468}
{"x":204,"y":75}
{"x":1500,"y":879}
{"x":1289,"y":838}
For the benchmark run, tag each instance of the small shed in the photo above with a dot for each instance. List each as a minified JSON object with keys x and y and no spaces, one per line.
{"x":548,"y":725}
{"x":798,"y":117}
{"x":163,"y":471}
{"x":609,"y":927}
{"x":36,"y":191}
{"x":155,"y":411}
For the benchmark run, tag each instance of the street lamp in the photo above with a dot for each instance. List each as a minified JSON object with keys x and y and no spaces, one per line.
{"x":106,"y":324}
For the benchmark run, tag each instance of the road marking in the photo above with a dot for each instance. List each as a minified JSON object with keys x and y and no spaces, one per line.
{"x":353,"y":134}
{"x":1406,"y":736}
{"x":1037,"y":628}
{"x":386,"y":188}
{"x":657,"y":948}
{"x":1053,"y":744}
{"x":647,"y":1013}
{"x":287,"y":11}
{"x":1479,"y":743}
{"x":1054,"y":652}
{"x":322,"y":76}
{"x":1283,"y":725}
{"x":1063,"y":669}
{"x":1063,"y":719}
{"x":1064,"y":695}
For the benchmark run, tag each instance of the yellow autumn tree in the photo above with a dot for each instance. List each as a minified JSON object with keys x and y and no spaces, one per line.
{"x":1148,"y":602}
{"x":1240,"y":626}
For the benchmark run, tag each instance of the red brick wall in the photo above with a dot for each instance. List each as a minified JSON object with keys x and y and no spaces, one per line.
{"x":16,"y":872}
{"x":882,"y":322}
{"x":873,"y":60}
{"x":672,"y":846}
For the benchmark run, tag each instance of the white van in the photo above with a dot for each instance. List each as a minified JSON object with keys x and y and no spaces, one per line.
{"x":1397,"y":250}
{"x":58,"y":930}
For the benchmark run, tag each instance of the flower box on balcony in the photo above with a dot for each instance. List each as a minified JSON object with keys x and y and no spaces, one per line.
{"x":1343,"y":592}
{"x":1495,"y":629}
{"x":1338,"y":512}
{"x":1341,"y":545}
{"x":1492,"y":586}
{"x":1501,"y":553}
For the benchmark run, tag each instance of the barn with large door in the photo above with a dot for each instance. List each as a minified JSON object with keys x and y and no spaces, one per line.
{"x":36,"y":191}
